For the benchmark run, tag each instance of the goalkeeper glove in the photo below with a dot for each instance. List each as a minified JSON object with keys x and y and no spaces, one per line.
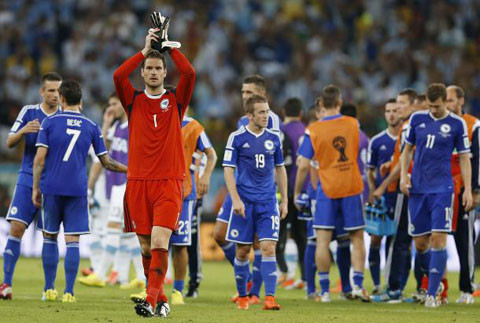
{"x":162,"y":23}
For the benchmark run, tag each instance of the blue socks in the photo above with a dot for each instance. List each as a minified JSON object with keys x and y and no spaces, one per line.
{"x":344,"y":262}
{"x":438,"y":262}
{"x":358,"y":279}
{"x":10,"y":257}
{"x":241,"y":271}
{"x":229,"y":251}
{"x":72,"y":261}
{"x":423,"y":258}
{"x":310,"y":266}
{"x":374,"y":264}
{"x":50,"y":262}
{"x":178,"y":285}
{"x":269,"y":274}
{"x":256,"y":274}
{"x":324,"y":279}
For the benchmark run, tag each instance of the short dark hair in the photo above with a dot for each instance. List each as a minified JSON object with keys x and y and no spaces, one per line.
{"x":51,"y":76}
{"x":422,"y":97}
{"x":410,"y":93}
{"x":349,"y":109}
{"x":293,"y":107}
{"x":156,"y":55}
{"x":459,"y":92}
{"x":436,"y":91}
{"x":113,"y":95}
{"x":71,"y":91}
{"x":251,"y":101}
{"x":391,"y":100}
{"x":255,"y":79}
{"x":331,"y":96}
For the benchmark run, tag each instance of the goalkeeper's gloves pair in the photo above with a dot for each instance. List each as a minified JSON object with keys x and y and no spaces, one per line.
{"x":162,"y":23}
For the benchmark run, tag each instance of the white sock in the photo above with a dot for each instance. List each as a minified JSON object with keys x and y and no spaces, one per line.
{"x":124,"y":258}
{"x":112,"y":243}
{"x":96,"y":251}
{"x":135,"y":255}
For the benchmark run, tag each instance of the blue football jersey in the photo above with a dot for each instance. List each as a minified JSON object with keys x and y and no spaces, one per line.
{"x":274,"y":122}
{"x":27,"y":114}
{"x":435,"y":140}
{"x":255,"y":157}
{"x":380,"y":150}
{"x":68,"y":136}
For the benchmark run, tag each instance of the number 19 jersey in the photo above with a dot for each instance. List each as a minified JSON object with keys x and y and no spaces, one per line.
{"x":435,"y":140}
{"x":68,"y":136}
{"x":255,"y":157}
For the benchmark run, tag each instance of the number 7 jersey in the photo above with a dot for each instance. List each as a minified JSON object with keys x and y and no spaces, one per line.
{"x":255,"y":157}
{"x":435,"y":140}
{"x":68,"y":136}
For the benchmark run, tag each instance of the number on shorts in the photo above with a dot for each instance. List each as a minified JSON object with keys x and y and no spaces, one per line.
{"x":182,"y":227}
{"x":448,"y":216}
{"x":275,"y":222}
{"x":76,"y":134}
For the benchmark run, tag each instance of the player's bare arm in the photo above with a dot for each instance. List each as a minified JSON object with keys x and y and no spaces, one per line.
{"x":31,"y":127}
{"x":371,"y":184}
{"x":204,"y":180}
{"x":302,"y":172}
{"x":112,"y":164}
{"x":405,"y":160}
{"x":392,"y":177}
{"x":238,"y":206}
{"x":108,"y":118}
{"x":282,"y":187}
{"x":466,"y":170}
{"x":38,"y":165}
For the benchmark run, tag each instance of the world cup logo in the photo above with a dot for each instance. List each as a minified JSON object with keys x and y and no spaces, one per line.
{"x":339,"y":143}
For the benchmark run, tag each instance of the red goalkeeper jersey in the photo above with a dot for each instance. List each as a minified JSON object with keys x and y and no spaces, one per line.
{"x":155,"y":133}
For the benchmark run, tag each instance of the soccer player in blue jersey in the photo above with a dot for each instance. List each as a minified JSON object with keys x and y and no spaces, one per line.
{"x":252,"y":85}
{"x":22,"y":212}
{"x":435,"y":134}
{"x":60,"y":183}
{"x":256,"y":154}
{"x":380,"y":151}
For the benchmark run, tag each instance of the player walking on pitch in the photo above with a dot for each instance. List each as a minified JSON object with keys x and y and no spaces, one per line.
{"x":156,"y":171}
{"x":256,"y":152}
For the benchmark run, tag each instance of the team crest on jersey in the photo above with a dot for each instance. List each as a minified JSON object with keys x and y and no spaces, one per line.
{"x":269,"y":145}
{"x":164,"y":105}
{"x":445,"y":128}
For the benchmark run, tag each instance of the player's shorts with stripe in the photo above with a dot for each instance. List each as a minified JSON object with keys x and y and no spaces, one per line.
{"x":349,"y":209}
{"x":261,"y":218}
{"x":72,"y":211}
{"x":115,"y":212}
{"x":429,"y":213}
{"x":339,"y":231}
{"x":183,"y":235}
{"x":21,"y":208}
{"x":226,"y":210}
{"x":150,"y":203}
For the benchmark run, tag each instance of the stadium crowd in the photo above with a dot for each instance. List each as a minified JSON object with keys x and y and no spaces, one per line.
{"x":371,"y":49}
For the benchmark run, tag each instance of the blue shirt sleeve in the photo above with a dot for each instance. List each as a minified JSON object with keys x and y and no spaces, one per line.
{"x":410,"y":137}
{"x":475,"y":161}
{"x":97,"y":142}
{"x":462,"y":144}
{"x":278,"y":156}
{"x":231,"y":154}
{"x":203,"y":142}
{"x":42,"y":138}
{"x":306,"y":149}
{"x":372,"y":155}
{"x":21,"y":121}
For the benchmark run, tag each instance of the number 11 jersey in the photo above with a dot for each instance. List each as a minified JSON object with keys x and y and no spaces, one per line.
{"x":435,"y":140}
{"x":255,"y":157}
{"x":68,"y":136}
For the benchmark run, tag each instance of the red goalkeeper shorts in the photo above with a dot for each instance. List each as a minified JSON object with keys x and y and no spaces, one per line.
{"x":150,"y":203}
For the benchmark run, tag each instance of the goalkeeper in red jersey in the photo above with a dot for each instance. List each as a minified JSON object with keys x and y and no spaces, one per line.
{"x":156,"y":164}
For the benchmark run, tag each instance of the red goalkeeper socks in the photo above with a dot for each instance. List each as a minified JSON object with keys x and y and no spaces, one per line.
{"x":158,"y":270}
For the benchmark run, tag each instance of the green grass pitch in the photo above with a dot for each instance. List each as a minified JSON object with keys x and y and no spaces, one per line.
{"x":110,"y":304}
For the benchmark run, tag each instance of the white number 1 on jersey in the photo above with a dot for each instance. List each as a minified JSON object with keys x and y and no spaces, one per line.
{"x":75,"y":134}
